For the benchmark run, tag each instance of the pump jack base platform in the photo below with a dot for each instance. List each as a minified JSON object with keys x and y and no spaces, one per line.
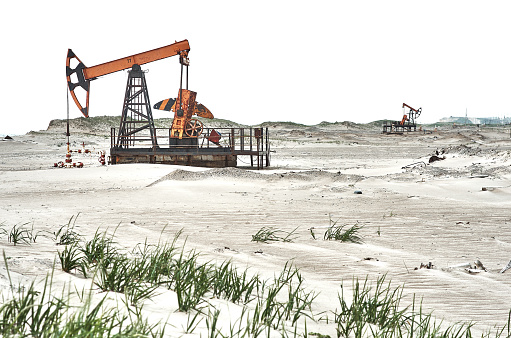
{"x":188,"y":157}
{"x":397,"y":128}
{"x":215,"y":148}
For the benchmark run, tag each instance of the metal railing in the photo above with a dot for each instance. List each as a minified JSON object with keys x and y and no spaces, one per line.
{"x":234,"y":141}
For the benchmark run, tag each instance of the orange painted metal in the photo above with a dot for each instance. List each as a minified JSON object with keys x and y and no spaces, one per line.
{"x":404,"y":119}
{"x":85,"y":74}
{"x":139,"y":59}
{"x":405,"y":105}
{"x":81,"y":82}
{"x":170,"y":104}
{"x":183,"y":110}
{"x":214,"y":137}
{"x":413,"y":114}
{"x":202,"y":111}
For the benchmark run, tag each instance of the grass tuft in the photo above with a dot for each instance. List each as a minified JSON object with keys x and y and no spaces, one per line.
{"x":71,"y":258}
{"x":342,"y":233}
{"x":66,"y":234}
{"x":19,"y":235}
{"x":270,"y":234}
{"x":99,"y":248}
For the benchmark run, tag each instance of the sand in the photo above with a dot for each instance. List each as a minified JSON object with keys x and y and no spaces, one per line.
{"x":412,"y":212}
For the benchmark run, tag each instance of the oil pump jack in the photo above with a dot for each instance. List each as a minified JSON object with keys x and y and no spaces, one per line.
{"x":407,"y":123}
{"x":412,"y":115}
{"x":136,"y":113}
{"x":178,"y":144}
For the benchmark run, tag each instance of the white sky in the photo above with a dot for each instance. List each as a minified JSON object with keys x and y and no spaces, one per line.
{"x":256,"y":61}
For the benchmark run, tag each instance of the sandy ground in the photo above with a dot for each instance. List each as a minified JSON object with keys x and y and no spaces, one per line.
{"x":422,"y":213}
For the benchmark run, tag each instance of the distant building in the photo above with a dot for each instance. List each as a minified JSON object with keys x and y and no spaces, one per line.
{"x":476,"y":120}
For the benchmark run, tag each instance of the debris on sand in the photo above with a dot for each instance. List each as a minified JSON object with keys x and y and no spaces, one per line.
{"x":480,"y":265}
{"x":429,"y":265}
{"x":460,"y":266}
{"x":435,"y":158}
{"x":471,"y":268}
{"x":7,"y":138}
{"x":507,"y":267}
{"x":420,"y":164}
